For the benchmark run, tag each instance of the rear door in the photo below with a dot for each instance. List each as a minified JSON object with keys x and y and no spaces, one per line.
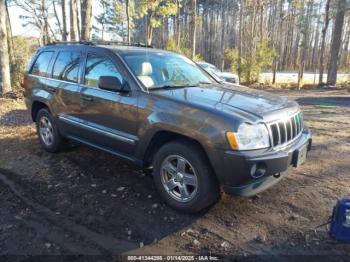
{"x":109,"y":118}
{"x":65,"y":81}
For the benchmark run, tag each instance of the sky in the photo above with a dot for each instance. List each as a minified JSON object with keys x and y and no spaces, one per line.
{"x":17,"y":23}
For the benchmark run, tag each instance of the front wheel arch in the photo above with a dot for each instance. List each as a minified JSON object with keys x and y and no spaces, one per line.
{"x":161,"y":138}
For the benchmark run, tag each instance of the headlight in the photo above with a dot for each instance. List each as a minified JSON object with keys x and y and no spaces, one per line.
{"x":249,"y":137}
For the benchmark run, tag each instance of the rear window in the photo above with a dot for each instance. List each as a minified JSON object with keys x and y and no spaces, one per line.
{"x":67,"y":66}
{"x":41,"y":64}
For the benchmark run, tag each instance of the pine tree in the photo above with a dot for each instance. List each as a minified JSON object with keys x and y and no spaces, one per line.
{"x":73,"y":8}
{"x":323,"y":42}
{"x":193,"y":27}
{"x":86,"y":19}
{"x":5,"y":80}
{"x":336,"y":41}
{"x":153,"y":11}
{"x":64,"y":20}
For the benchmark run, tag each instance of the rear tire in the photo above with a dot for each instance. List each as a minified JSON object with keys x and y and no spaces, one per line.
{"x":49,"y":136}
{"x":184,"y":178}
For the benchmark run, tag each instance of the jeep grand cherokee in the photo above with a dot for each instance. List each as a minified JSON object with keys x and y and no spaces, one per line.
{"x":160,"y":110}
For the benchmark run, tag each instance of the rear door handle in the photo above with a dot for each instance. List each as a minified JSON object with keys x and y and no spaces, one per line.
{"x":87,"y":98}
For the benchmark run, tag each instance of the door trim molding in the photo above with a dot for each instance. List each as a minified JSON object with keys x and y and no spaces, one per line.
{"x":112,"y":135}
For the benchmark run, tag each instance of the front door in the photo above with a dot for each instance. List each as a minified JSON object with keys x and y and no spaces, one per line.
{"x":109,"y":118}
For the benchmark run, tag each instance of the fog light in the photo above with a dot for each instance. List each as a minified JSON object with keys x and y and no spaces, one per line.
{"x":258,"y":170}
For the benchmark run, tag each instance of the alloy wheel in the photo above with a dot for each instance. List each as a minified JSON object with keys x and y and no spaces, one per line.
{"x":46,"y":131}
{"x":179,"y":178}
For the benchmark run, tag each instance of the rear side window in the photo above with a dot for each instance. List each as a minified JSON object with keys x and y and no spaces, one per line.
{"x":41,"y":64}
{"x":67,"y":66}
{"x":97,"y":66}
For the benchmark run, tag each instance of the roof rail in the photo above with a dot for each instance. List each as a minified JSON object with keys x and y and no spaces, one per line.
{"x":99,"y":42}
{"x":71,"y":43}
{"x":102,"y":42}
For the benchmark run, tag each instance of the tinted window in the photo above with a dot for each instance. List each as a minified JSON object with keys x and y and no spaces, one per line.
{"x":41,"y":64}
{"x":67,"y":66}
{"x":97,"y":66}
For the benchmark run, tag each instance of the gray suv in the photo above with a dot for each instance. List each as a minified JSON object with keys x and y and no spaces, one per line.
{"x":161,"y":111}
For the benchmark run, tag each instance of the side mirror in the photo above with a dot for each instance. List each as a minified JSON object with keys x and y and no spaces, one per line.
{"x":111,"y":83}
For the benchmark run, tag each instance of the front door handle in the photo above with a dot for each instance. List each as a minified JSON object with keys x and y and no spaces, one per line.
{"x":87,"y":98}
{"x":51,"y":89}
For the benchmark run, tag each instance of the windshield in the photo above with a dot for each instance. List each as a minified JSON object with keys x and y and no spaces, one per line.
{"x":162,"y":70}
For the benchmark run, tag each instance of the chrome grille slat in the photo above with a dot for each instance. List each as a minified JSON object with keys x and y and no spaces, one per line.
{"x":284,"y":131}
{"x":302,"y":121}
{"x":295,"y":131}
{"x":291,"y":128}
{"x":273,"y":134}
{"x":296,"y":122}
{"x":279,"y":134}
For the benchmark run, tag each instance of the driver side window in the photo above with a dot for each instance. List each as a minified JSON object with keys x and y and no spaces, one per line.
{"x":96,"y":66}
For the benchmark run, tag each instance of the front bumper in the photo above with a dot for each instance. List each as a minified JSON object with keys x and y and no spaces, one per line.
{"x":236,"y":171}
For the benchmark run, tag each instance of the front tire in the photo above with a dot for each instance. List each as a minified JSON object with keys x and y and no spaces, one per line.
{"x":184,"y":178}
{"x":47,"y":131}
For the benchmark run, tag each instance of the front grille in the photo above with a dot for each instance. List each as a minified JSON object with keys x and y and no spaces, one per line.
{"x":284,"y":131}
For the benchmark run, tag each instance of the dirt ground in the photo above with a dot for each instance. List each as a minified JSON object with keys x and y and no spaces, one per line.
{"x":83,"y":201}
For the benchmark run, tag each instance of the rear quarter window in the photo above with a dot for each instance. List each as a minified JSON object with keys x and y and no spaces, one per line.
{"x":41,"y":64}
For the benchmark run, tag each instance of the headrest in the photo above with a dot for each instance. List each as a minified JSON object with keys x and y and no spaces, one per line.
{"x":145,"y":69}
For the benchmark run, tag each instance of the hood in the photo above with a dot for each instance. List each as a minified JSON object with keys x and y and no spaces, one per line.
{"x":247,"y":103}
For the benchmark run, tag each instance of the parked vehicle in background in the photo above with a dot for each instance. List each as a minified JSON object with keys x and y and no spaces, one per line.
{"x":160,"y":110}
{"x":224,"y":76}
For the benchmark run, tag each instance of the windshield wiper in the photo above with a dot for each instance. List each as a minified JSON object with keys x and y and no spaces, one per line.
{"x":203,"y":83}
{"x":180,"y":86}
{"x":171,"y":86}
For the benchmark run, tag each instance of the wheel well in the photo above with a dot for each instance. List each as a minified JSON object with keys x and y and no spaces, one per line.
{"x":163,"y":137}
{"x":36,"y":107}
